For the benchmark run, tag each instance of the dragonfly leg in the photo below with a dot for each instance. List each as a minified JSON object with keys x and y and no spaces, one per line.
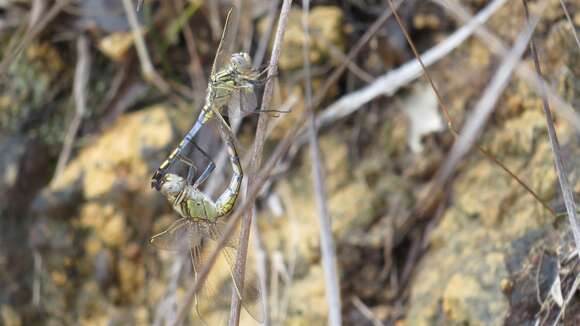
{"x":206,"y":173}
{"x":193,"y":169}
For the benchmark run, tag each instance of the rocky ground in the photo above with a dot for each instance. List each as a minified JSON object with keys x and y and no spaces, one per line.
{"x":74,"y":248}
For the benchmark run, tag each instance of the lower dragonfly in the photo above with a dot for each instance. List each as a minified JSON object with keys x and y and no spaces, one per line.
{"x":200,"y":220}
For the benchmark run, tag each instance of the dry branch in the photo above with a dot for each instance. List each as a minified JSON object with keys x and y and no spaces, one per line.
{"x":255,"y":162}
{"x":555,"y":146}
{"x":563,"y":109}
{"x":484,"y":107}
{"x":331,"y":278}
{"x":81,"y":79}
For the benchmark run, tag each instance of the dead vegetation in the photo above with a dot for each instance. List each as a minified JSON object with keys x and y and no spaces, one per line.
{"x":388,"y":217}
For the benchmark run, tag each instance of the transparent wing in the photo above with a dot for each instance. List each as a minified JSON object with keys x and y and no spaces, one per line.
{"x":252,"y":299}
{"x":242,"y":102}
{"x":211,"y":303}
{"x":225,"y":47}
{"x":177,"y":237}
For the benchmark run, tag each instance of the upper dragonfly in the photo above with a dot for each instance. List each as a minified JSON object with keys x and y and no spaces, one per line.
{"x":231,"y":87}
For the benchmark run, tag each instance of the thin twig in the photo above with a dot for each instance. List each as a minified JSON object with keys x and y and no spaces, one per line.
{"x":264,"y":40}
{"x":147,"y":68}
{"x":255,"y":163}
{"x":392,"y":81}
{"x":350,"y":64}
{"x":31,"y":34}
{"x":483,"y":108}
{"x":571,"y":23}
{"x":485,"y":105}
{"x":214,"y":19}
{"x":335,"y":75}
{"x":569,"y":297}
{"x":364,"y":309}
{"x":82,"y":73}
{"x":327,"y":248}
{"x":554,"y":144}
{"x":375,"y":27}
{"x":495,"y":45}
{"x":261,"y":254}
{"x":198,"y":77}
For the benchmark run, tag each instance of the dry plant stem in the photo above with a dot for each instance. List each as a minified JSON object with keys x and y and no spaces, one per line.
{"x":554,"y":144}
{"x":351,"y":65}
{"x":255,"y":162}
{"x":364,"y":309}
{"x":427,"y":204}
{"x":396,"y":79}
{"x":214,"y":18}
{"x":81,"y":79}
{"x":31,"y":34}
{"x":375,"y":27}
{"x":331,"y":278}
{"x":263,"y":44}
{"x":198,"y":78}
{"x":563,"y":109}
{"x":256,"y":159}
{"x":484,"y":107}
{"x":570,"y":22}
{"x":569,"y":297}
{"x":146,"y":66}
{"x":321,"y":94}
{"x":37,"y":7}
{"x":261,"y":255}
{"x":392,"y":81}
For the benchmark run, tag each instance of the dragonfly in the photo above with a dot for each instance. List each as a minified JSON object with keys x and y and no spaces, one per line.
{"x":200,"y":222}
{"x":231,"y":88}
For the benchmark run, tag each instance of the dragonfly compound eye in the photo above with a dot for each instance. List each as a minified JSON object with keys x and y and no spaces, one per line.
{"x":241,"y":60}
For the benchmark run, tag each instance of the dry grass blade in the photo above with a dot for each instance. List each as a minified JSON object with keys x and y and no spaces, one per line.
{"x":570,"y":22}
{"x":31,"y":34}
{"x":484,"y":107}
{"x":559,"y":163}
{"x":146,"y":66}
{"x":263,"y":44}
{"x":364,"y":309}
{"x":82,"y":73}
{"x":375,"y":27}
{"x":331,"y":278}
{"x":255,"y":162}
{"x":390,"y":82}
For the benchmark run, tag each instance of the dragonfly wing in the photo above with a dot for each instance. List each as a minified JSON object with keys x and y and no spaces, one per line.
{"x":252,"y":299}
{"x":211,"y":302}
{"x":242,"y":102}
{"x":177,"y":237}
{"x":225,"y":47}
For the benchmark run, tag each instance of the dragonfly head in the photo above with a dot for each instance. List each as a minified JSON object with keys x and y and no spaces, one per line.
{"x":242,"y":61}
{"x":172,"y":185}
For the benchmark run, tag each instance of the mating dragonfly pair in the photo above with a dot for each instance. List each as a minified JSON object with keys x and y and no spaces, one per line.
{"x":229,"y":88}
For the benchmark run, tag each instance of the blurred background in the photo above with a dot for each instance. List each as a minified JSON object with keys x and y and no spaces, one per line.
{"x":85,"y":119}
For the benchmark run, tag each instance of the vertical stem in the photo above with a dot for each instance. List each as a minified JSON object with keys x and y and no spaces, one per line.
{"x":327,"y":248}
{"x":256,"y":162}
{"x":558,"y":162}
